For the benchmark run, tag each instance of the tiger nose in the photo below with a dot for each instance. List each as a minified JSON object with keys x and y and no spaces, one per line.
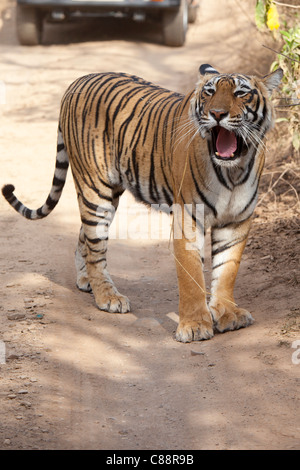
{"x":218,"y":114}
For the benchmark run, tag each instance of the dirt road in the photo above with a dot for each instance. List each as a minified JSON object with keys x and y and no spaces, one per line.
{"x":78,"y":378}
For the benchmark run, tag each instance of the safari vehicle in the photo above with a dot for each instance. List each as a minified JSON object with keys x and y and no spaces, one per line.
{"x":174,"y":15}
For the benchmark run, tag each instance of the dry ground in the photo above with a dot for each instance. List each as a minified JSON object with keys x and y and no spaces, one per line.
{"x":78,"y":378}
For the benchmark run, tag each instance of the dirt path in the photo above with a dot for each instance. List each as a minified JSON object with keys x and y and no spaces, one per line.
{"x":78,"y":378}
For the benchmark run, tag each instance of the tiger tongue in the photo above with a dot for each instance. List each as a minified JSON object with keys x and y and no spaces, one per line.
{"x":226,"y":143}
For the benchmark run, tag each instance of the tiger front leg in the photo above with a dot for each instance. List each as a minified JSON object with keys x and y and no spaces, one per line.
{"x":227,"y":247}
{"x":96,"y":219}
{"x":195,"y":321}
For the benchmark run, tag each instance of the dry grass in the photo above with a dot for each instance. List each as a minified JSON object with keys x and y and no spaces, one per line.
{"x":276,"y":232}
{"x":280,"y":184}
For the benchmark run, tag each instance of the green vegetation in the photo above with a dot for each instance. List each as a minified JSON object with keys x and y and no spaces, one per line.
{"x":284,"y":24}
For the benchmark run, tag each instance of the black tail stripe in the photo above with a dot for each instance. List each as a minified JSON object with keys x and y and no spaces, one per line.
{"x":58,"y":182}
{"x":51,"y":203}
{"x":27,"y":213}
{"x":62,"y":165}
{"x":18,"y":205}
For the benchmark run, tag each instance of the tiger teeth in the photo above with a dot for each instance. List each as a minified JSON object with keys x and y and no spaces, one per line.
{"x":217,"y":153}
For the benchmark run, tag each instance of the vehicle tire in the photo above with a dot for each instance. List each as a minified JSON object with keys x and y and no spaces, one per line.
{"x":29,"y":26}
{"x":192,"y":13}
{"x":175,"y":24}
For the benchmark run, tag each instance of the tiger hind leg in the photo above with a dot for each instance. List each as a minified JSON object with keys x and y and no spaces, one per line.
{"x":80,"y":263}
{"x":92,"y":273}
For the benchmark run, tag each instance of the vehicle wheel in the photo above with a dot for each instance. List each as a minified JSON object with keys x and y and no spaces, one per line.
{"x":192,"y":13}
{"x":175,"y":25}
{"x":29,"y":26}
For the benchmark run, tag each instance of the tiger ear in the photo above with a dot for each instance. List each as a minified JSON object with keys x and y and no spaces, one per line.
{"x":273,"y":80}
{"x":206,"y":68}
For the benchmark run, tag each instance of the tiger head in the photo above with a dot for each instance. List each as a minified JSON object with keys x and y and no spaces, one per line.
{"x":233,"y":112}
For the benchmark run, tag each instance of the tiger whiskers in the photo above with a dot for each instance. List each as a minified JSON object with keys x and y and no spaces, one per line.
{"x":249,"y":134}
{"x":182,"y":132}
{"x":192,"y":138}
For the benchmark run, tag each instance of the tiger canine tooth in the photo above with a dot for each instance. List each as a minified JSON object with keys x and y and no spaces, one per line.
{"x":217,"y":153}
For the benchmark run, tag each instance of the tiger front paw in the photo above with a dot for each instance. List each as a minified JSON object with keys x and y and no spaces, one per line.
{"x":188,"y":331}
{"x":227,"y":316}
{"x":110,"y":300}
{"x":83,"y":284}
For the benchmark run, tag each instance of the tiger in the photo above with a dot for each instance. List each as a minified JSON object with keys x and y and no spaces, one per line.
{"x":119,"y":132}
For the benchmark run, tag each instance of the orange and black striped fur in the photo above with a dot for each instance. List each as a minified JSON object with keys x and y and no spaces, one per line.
{"x":120,"y":132}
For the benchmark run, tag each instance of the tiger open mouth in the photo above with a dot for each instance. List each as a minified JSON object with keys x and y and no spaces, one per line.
{"x":227,"y":145}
